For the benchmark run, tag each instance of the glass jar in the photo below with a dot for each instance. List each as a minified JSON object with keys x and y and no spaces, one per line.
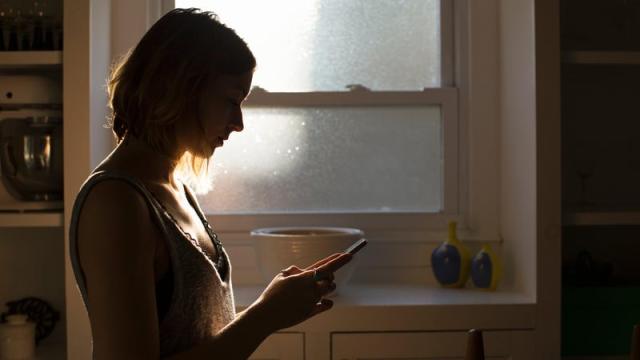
{"x":17,"y":338}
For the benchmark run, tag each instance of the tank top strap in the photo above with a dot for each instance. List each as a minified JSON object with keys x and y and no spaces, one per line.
{"x":201,"y":215}
{"x":194,"y":204}
{"x":102,"y":175}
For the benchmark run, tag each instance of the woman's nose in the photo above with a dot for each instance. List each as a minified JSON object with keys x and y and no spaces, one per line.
{"x":237,"y":127}
{"x":237,"y":124}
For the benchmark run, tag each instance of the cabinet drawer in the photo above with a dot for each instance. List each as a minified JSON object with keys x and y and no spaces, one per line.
{"x":281,"y":346}
{"x":499,"y":345}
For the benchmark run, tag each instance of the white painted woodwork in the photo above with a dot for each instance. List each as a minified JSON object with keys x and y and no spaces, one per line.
{"x":548,"y":212}
{"x":502,"y":345}
{"x":517,"y":140}
{"x":477,"y":77}
{"x":86,"y":141}
{"x":281,"y":346}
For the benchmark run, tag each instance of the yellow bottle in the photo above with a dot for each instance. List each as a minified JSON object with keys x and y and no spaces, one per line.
{"x":450,"y":261}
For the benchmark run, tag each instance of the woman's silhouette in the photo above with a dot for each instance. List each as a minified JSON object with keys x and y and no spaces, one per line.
{"x":153,"y":274}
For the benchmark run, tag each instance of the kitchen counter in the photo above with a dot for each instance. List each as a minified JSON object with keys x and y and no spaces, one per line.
{"x":390,"y":307}
{"x":407,"y":307}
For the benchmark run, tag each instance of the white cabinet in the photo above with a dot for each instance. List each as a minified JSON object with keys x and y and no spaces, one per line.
{"x":281,"y":346}
{"x":503,"y":345}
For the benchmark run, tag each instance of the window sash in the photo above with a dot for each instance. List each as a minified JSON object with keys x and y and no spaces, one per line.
{"x":427,"y":223}
{"x":446,"y":96}
{"x":429,"y":96}
{"x":447,"y":32}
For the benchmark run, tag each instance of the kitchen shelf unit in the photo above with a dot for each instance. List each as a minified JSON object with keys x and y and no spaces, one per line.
{"x":31,"y":238}
{"x":601,"y":57}
{"x":601,"y":217}
{"x":600,"y":62}
{"x":31,"y":219}
{"x":30,"y":60}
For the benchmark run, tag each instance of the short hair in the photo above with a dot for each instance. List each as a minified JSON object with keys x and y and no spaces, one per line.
{"x":158,"y":81}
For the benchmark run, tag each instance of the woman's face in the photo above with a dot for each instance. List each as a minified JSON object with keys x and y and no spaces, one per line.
{"x":219,"y":113}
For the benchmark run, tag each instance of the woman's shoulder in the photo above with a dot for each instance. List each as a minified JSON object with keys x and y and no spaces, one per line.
{"x":113,"y":200}
{"x":114,"y":191}
{"x":114,"y":212}
{"x":111,"y":166}
{"x":120,"y":176}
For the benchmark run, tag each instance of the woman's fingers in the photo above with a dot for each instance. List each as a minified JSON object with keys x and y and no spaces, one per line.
{"x":291,"y":270}
{"x":323,"y":261}
{"x":325,"y":287}
{"x":322,"y":306}
{"x":329,"y":277}
{"x":326,"y":270}
{"x":334,"y":264}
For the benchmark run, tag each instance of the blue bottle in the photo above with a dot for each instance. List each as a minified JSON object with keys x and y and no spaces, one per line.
{"x":486,"y":269}
{"x":450,"y":261}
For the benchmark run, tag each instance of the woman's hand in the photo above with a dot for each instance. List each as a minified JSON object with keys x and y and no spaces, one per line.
{"x":294,"y":296}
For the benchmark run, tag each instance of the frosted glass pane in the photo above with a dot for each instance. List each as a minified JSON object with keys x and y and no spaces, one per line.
{"x":324,"y":45}
{"x":330,"y":159}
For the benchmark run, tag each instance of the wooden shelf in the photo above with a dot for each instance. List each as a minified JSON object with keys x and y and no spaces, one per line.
{"x":30,"y":59}
{"x":597,"y":357}
{"x":51,"y":351}
{"x":601,"y":57}
{"x":31,"y":219}
{"x":601,"y":217}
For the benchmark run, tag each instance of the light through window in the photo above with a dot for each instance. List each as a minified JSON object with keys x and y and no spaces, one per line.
{"x":336,"y":159}
{"x":341,"y":151}
{"x":320,"y":45}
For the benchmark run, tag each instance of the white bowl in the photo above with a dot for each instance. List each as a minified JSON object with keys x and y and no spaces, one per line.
{"x":280,"y":247}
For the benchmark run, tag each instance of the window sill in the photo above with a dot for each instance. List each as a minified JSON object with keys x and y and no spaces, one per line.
{"x":384,"y":294}
{"x":402,"y":307}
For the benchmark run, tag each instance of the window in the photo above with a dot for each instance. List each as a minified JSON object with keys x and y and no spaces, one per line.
{"x":351,"y":112}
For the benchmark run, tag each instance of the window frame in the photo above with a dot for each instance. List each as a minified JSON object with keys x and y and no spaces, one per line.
{"x":451,"y":95}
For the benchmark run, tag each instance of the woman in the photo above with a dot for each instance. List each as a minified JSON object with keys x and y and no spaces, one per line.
{"x":154,"y":276}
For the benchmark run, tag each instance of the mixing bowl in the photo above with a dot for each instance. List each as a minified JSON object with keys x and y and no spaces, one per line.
{"x":280,"y":247}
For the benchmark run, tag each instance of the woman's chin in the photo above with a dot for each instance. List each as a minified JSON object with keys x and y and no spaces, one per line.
{"x":212,"y":148}
{"x":207,"y":150}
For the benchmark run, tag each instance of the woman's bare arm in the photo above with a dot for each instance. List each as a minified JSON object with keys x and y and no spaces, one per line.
{"x":116,"y":248}
{"x":237,"y":341}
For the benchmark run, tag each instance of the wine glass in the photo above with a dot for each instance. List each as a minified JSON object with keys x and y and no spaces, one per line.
{"x":585,"y":154}
{"x":634,"y":153}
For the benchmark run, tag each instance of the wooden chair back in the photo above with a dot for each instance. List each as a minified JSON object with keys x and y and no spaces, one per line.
{"x":635,"y":343}
{"x":475,"y":345}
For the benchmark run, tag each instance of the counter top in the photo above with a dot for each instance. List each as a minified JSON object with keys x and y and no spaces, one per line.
{"x":402,"y":295}
{"x":406,"y":307}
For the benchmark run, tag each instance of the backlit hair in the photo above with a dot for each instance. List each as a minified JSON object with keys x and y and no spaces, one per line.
{"x":156,"y":84}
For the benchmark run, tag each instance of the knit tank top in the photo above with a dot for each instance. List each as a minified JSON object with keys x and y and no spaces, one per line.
{"x":200,"y":301}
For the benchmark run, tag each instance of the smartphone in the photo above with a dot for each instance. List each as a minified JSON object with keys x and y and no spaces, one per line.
{"x":356,"y":246}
